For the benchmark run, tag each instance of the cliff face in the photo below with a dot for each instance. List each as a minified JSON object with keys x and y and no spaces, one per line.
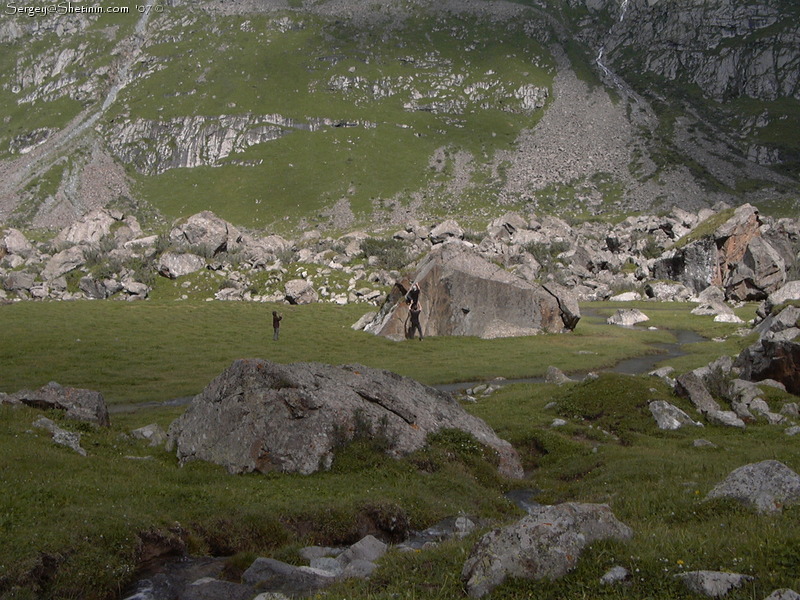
{"x":728,"y":51}
{"x":577,"y":105}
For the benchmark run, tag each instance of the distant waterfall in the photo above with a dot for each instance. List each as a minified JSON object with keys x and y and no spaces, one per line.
{"x":622,"y":12}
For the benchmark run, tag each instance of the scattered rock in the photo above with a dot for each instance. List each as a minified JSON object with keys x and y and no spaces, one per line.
{"x":690,"y":386}
{"x":174,"y":265}
{"x":300,"y":291}
{"x":545,"y":544}
{"x":627,"y":317}
{"x":767,"y":486}
{"x":70,"y":439}
{"x":153,"y":433}
{"x":615,"y":575}
{"x":78,"y":404}
{"x":713,"y":583}
{"x":670,"y":417}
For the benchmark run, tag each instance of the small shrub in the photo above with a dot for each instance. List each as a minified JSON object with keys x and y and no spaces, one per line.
{"x":391,"y":254}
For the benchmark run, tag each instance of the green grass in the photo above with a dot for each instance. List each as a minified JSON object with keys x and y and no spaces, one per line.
{"x":158,"y":350}
{"x":99,"y":508}
{"x":267,"y":71}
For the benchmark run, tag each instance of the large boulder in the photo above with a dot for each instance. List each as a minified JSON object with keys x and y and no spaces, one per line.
{"x":760,"y":272}
{"x":174,"y":265}
{"x":77,"y":403}
{"x":62,"y":263}
{"x":709,"y":259}
{"x":89,"y":229}
{"x":545,"y":544}
{"x":300,"y":291}
{"x":208,"y":232}
{"x":14,"y":242}
{"x":776,"y":355}
{"x":767,"y":486}
{"x":464,"y":294}
{"x":263,"y":416}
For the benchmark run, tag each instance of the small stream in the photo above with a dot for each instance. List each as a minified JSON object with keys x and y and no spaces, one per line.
{"x":636,"y":365}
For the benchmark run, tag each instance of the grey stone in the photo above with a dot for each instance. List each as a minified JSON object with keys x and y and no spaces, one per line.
{"x":690,"y":386}
{"x":208,"y":588}
{"x":78,"y":404}
{"x":545,"y":544}
{"x":446,"y":230}
{"x":17,"y":244}
{"x":712,"y":583}
{"x":207,"y":231}
{"x":615,"y":575}
{"x":327,"y":564}
{"x":627,"y":317}
{"x":783,"y":594}
{"x":174,"y":265}
{"x":18,"y":280}
{"x":277,"y":576}
{"x":368,"y":548}
{"x":300,"y":291}
{"x":726,"y":418}
{"x":63,"y":262}
{"x":263,"y":416}
{"x":153,"y":433}
{"x":700,"y":443}
{"x":359,"y":568}
{"x":89,"y":229}
{"x":556,"y":375}
{"x":767,"y":486}
{"x":460,"y":292}
{"x":670,"y":417}
{"x":60,"y":436}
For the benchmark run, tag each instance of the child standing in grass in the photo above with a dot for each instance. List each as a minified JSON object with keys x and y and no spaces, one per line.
{"x":276,"y":324}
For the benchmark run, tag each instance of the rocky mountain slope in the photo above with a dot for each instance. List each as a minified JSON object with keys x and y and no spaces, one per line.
{"x":281,"y":114}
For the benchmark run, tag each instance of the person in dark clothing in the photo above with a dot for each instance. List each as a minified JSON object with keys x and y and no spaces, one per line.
{"x":414,"y":311}
{"x":412,"y":296}
{"x":276,"y":324}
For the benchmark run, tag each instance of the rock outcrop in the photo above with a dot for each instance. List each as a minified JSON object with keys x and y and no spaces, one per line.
{"x":263,"y":416}
{"x":545,"y":544}
{"x":768,"y":486}
{"x":776,"y":355}
{"x":78,"y":404}
{"x":464,"y":294}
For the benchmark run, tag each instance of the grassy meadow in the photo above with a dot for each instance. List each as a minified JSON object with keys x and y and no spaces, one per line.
{"x":73,"y":527}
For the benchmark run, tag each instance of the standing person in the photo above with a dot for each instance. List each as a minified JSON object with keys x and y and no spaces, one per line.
{"x":414,"y":311}
{"x":412,"y":296}
{"x":276,"y":324}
